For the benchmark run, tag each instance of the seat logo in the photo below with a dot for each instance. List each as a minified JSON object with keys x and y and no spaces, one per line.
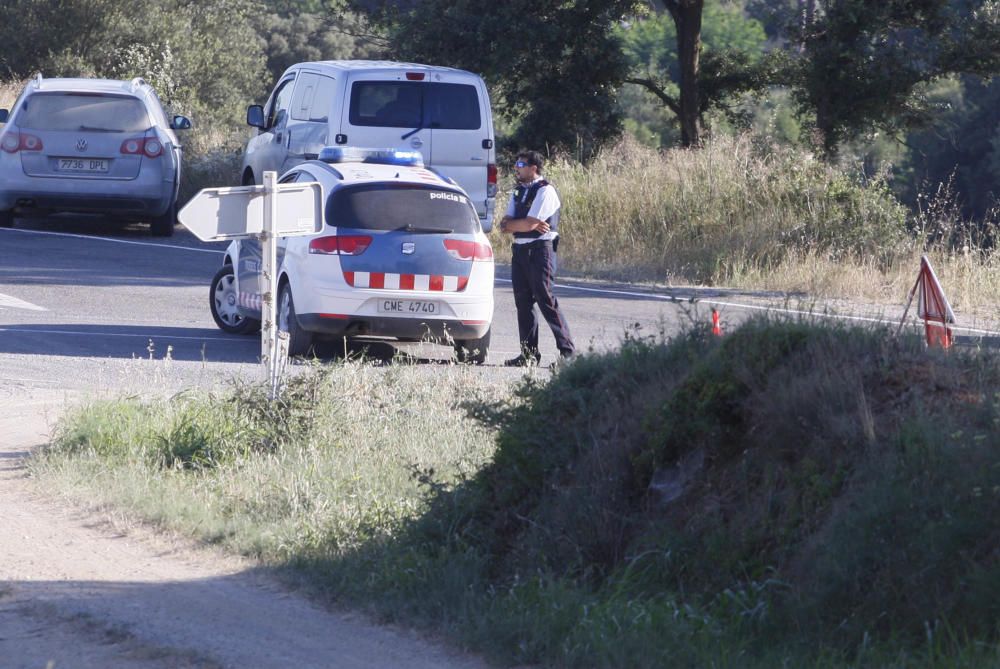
{"x":409,"y":248}
{"x":81,"y":145}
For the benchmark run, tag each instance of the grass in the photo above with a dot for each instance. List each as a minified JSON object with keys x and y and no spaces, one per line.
{"x":340,"y":454}
{"x":786,"y":495}
{"x":747,"y":215}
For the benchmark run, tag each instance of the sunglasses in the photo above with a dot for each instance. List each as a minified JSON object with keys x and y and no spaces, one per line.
{"x":520,"y":163}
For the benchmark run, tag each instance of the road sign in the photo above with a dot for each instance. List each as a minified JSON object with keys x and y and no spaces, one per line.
{"x":221,"y":214}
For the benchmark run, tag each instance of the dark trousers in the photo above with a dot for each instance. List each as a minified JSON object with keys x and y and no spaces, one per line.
{"x":533,"y":269}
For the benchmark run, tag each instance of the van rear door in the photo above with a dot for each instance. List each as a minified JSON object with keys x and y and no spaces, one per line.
{"x":386,"y":110}
{"x":460,"y":122}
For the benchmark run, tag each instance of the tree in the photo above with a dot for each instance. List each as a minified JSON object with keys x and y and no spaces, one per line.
{"x":553,"y":66}
{"x":864,"y":63}
{"x":732,"y":61}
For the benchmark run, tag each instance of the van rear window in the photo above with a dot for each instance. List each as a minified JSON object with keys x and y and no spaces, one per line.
{"x":412,"y":104}
{"x":83,"y":112}
{"x":384,"y":206}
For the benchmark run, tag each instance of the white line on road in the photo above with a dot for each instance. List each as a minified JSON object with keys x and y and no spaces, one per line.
{"x":10,"y":302}
{"x":605,"y":291}
{"x":756,"y":307}
{"x":145,"y":335}
{"x":113,"y":240}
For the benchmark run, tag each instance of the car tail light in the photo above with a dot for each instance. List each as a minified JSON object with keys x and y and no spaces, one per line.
{"x":152,"y":147}
{"x":147,"y":146}
{"x":465,"y":250}
{"x":344,"y":245}
{"x":13,"y":142}
{"x":415,"y":76}
{"x":491,"y":180}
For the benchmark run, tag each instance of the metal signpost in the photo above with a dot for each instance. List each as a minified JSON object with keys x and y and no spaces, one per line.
{"x":266,"y":213}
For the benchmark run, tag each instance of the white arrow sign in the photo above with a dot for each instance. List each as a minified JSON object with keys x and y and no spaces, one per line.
{"x":221,"y":214}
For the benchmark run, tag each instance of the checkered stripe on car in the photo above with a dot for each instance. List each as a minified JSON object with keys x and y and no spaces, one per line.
{"x":422,"y":282}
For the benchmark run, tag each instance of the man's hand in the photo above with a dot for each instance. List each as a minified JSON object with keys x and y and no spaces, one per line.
{"x":503,"y":224}
{"x":542,"y":227}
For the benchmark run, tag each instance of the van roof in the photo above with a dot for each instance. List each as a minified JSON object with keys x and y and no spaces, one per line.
{"x":378,"y":66}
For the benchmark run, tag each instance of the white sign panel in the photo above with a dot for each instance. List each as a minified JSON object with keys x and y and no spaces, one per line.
{"x":221,"y":214}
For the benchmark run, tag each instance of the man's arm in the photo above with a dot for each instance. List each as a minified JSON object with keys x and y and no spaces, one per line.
{"x":526,"y":224}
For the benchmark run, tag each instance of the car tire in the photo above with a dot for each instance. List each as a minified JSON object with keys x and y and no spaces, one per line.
{"x":473,"y":350}
{"x":6,"y":219}
{"x":163,"y":226}
{"x":222,"y":300}
{"x":299,"y":340}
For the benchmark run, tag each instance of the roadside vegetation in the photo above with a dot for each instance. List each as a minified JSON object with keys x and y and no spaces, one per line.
{"x":785,"y":495}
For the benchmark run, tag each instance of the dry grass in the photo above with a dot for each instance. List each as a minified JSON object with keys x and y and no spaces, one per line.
{"x":9,"y":91}
{"x":749,"y":216}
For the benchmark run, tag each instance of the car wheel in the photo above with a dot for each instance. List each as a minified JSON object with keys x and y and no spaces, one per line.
{"x":299,"y":340}
{"x":222,"y":299}
{"x":473,"y":350}
{"x":163,"y":226}
{"x":6,"y":219}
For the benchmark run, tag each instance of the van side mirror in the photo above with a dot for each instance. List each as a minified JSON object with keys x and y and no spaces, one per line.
{"x":255,"y":116}
{"x":180,"y":123}
{"x":4,"y":113}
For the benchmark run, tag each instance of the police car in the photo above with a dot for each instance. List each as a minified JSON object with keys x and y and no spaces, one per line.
{"x":402,"y":254}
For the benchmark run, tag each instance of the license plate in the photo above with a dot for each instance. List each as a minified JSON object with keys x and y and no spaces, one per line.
{"x":83,"y":165}
{"x":406,"y":307}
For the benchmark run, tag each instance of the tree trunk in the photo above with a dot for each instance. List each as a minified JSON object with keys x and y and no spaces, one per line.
{"x":687,"y":19}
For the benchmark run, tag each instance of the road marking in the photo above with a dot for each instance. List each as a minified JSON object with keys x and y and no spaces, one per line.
{"x":10,"y":302}
{"x":757,"y":307}
{"x":157,"y":337}
{"x":113,"y":240}
{"x":604,"y":291}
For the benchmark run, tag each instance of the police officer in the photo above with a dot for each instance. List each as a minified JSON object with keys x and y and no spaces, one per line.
{"x":533,"y":218}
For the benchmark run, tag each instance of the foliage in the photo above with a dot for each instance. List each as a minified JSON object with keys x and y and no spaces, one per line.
{"x":962,"y":148}
{"x":554,"y":67}
{"x":301,"y":37}
{"x":864,"y":62}
{"x":184,"y":48}
{"x":733,"y":58}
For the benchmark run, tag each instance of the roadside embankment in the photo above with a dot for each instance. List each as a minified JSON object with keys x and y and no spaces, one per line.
{"x":787,"y":494}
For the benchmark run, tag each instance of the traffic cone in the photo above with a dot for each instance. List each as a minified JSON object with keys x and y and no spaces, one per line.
{"x":716,"y":328}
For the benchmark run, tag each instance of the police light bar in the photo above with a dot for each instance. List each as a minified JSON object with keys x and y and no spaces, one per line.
{"x":351,"y":154}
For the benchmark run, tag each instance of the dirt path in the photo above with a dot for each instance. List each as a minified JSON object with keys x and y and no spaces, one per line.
{"x":78,"y":592}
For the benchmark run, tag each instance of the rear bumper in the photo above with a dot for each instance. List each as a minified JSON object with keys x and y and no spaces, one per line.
{"x":385,"y":326}
{"x":45,"y":203}
{"x":141,"y":197}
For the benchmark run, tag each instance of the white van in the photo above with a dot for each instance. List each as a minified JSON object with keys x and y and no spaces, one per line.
{"x":441,"y":112}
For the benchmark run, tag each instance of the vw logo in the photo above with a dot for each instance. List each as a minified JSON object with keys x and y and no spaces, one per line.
{"x":81,"y":145}
{"x":409,"y":248}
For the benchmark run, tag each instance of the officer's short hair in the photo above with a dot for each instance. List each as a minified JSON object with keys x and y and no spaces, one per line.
{"x":532,"y":158}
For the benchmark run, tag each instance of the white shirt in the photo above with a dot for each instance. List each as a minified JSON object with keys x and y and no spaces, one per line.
{"x":546,"y":203}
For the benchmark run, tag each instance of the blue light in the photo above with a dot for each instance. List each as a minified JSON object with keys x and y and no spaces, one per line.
{"x":351,"y":154}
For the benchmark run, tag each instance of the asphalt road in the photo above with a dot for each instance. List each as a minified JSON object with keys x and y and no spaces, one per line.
{"x":77,"y":294}
{"x":87,"y":305}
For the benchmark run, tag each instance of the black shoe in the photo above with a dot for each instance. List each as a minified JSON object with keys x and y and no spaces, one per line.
{"x":522,"y":361}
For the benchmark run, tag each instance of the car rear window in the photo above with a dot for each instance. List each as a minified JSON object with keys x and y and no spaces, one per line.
{"x":412,"y":104}
{"x":87,"y":112}
{"x":396,"y":206}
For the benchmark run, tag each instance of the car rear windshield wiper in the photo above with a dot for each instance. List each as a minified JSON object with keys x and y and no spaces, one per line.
{"x":409,"y":227}
{"x":87,"y":128}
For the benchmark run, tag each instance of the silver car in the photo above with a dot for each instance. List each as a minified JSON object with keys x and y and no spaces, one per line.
{"x":90,"y":146}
